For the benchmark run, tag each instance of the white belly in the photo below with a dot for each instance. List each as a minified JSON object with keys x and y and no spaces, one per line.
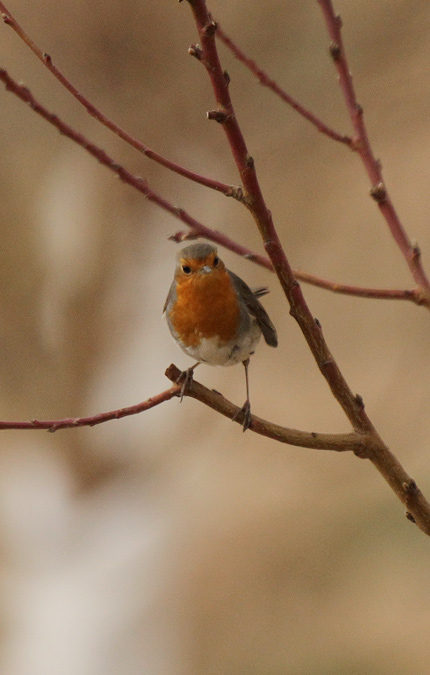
{"x":211,"y":351}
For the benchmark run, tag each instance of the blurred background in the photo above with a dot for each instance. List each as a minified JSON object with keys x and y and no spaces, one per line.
{"x":171,"y":543}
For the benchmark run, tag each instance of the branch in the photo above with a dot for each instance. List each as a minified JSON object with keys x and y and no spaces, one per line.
{"x":73,"y":422}
{"x":267,"y":81}
{"x":365,"y":446}
{"x":361,"y":143}
{"x":376,"y":450}
{"x":303,"y":439}
{"x":415,"y":295}
{"x":254,"y":199}
{"x":197,"y":228}
{"x":227,"y":190}
{"x":135,"y":181}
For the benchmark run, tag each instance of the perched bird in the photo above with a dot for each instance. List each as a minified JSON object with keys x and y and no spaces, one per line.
{"x":214,"y":316}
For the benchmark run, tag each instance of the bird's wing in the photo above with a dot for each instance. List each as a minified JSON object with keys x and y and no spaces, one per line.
{"x":255,"y":308}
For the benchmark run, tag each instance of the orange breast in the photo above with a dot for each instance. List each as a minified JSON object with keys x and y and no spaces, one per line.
{"x":206,"y":307}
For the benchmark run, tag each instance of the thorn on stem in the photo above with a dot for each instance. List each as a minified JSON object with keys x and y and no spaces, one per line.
{"x":378,"y":192}
{"x":250,"y":162}
{"x":359,"y":400}
{"x":47,"y":58}
{"x":219,"y":116}
{"x":195,"y":50}
{"x":227,"y":77}
{"x":410,"y":486}
{"x":416,"y":251}
{"x":178,"y":237}
{"x":338,"y":20}
{"x":210,"y":29}
{"x":410,"y":517}
{"x":236,"y":192}
{"x":335,"y":51}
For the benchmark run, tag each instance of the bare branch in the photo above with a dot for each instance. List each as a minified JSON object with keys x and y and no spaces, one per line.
{"x":100,"y":418}
{"x":361,"y":143}
{"x":267,"y":81}
{"x":338,"y":442}
{"x":135,"y":181}
{"x":227,"y":190}
{"x":197,"y":228}
{"x":364,"y":440}
{"x":376,"y":450}
{"x":254,"y":199}
{"x":414,"y":295}
{"x":367,"y":446}
{"x":417,"y":296}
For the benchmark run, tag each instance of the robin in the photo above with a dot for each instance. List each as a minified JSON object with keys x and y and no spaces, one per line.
{"x":214,"y":316}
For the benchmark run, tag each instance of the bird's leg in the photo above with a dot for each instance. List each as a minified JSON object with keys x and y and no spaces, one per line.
{"x":246,"y":408}
{"x":187,"y":376}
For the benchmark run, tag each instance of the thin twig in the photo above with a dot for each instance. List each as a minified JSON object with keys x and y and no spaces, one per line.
{"x":364,"y":446}
{"x":135,"y":181}
{"x":269,"y":82}
{"x":376,"y":450}
{"x":197,"y":228}
{"x":362,"y":145}
{"x":415,"y":295}
{"x":73,"y":422}
{"x":348,"y":442}
{"x":254,"y":199}
{"x":227,"y":190}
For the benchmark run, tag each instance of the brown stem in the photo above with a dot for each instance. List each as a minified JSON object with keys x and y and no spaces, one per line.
{"x":414,"y":295}
{"x":267,"y":81}
{"x":362,"y":145}
{"x":417,"y":296}
{"x":368,"y":446}
{"x":338,"y":442}
{"x":352,"y":405}
{"x":135,"y":181}
{"x":227,"y":190}
{"x":254,"y":199}
{"x":73,"y":422}
{"x":197,"y":228}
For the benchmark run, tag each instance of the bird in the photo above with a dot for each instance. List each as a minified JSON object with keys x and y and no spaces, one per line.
{"x":214,"y":316}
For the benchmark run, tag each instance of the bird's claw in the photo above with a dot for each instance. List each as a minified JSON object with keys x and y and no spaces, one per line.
{"x":245,"y":410}
{"x":186,"y":377}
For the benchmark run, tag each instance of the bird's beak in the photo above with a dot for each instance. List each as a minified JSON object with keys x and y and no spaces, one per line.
{"x":205,"y":269}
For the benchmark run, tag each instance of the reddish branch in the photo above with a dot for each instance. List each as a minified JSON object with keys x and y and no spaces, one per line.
{"x":364,"y":440}
{"x":362,"y":145}
{"x":338,"y":442}
{"x":198,"y":229}
{"x":228,"y":190}
{"x":376,"y":450}
{"x":267,"y":81}
{"x":73,"y":422}
{"x":135,"y":181}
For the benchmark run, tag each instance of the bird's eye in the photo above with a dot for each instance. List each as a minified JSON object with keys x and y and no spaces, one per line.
{"x":216,"y":261}
{"x":186,"y":269}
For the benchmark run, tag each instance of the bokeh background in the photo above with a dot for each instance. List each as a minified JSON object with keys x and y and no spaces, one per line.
{"x":171,"y":543}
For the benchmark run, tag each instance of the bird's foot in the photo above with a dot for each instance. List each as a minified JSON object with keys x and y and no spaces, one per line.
{"x":244,"y":411}
{"x":186,"y":377}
